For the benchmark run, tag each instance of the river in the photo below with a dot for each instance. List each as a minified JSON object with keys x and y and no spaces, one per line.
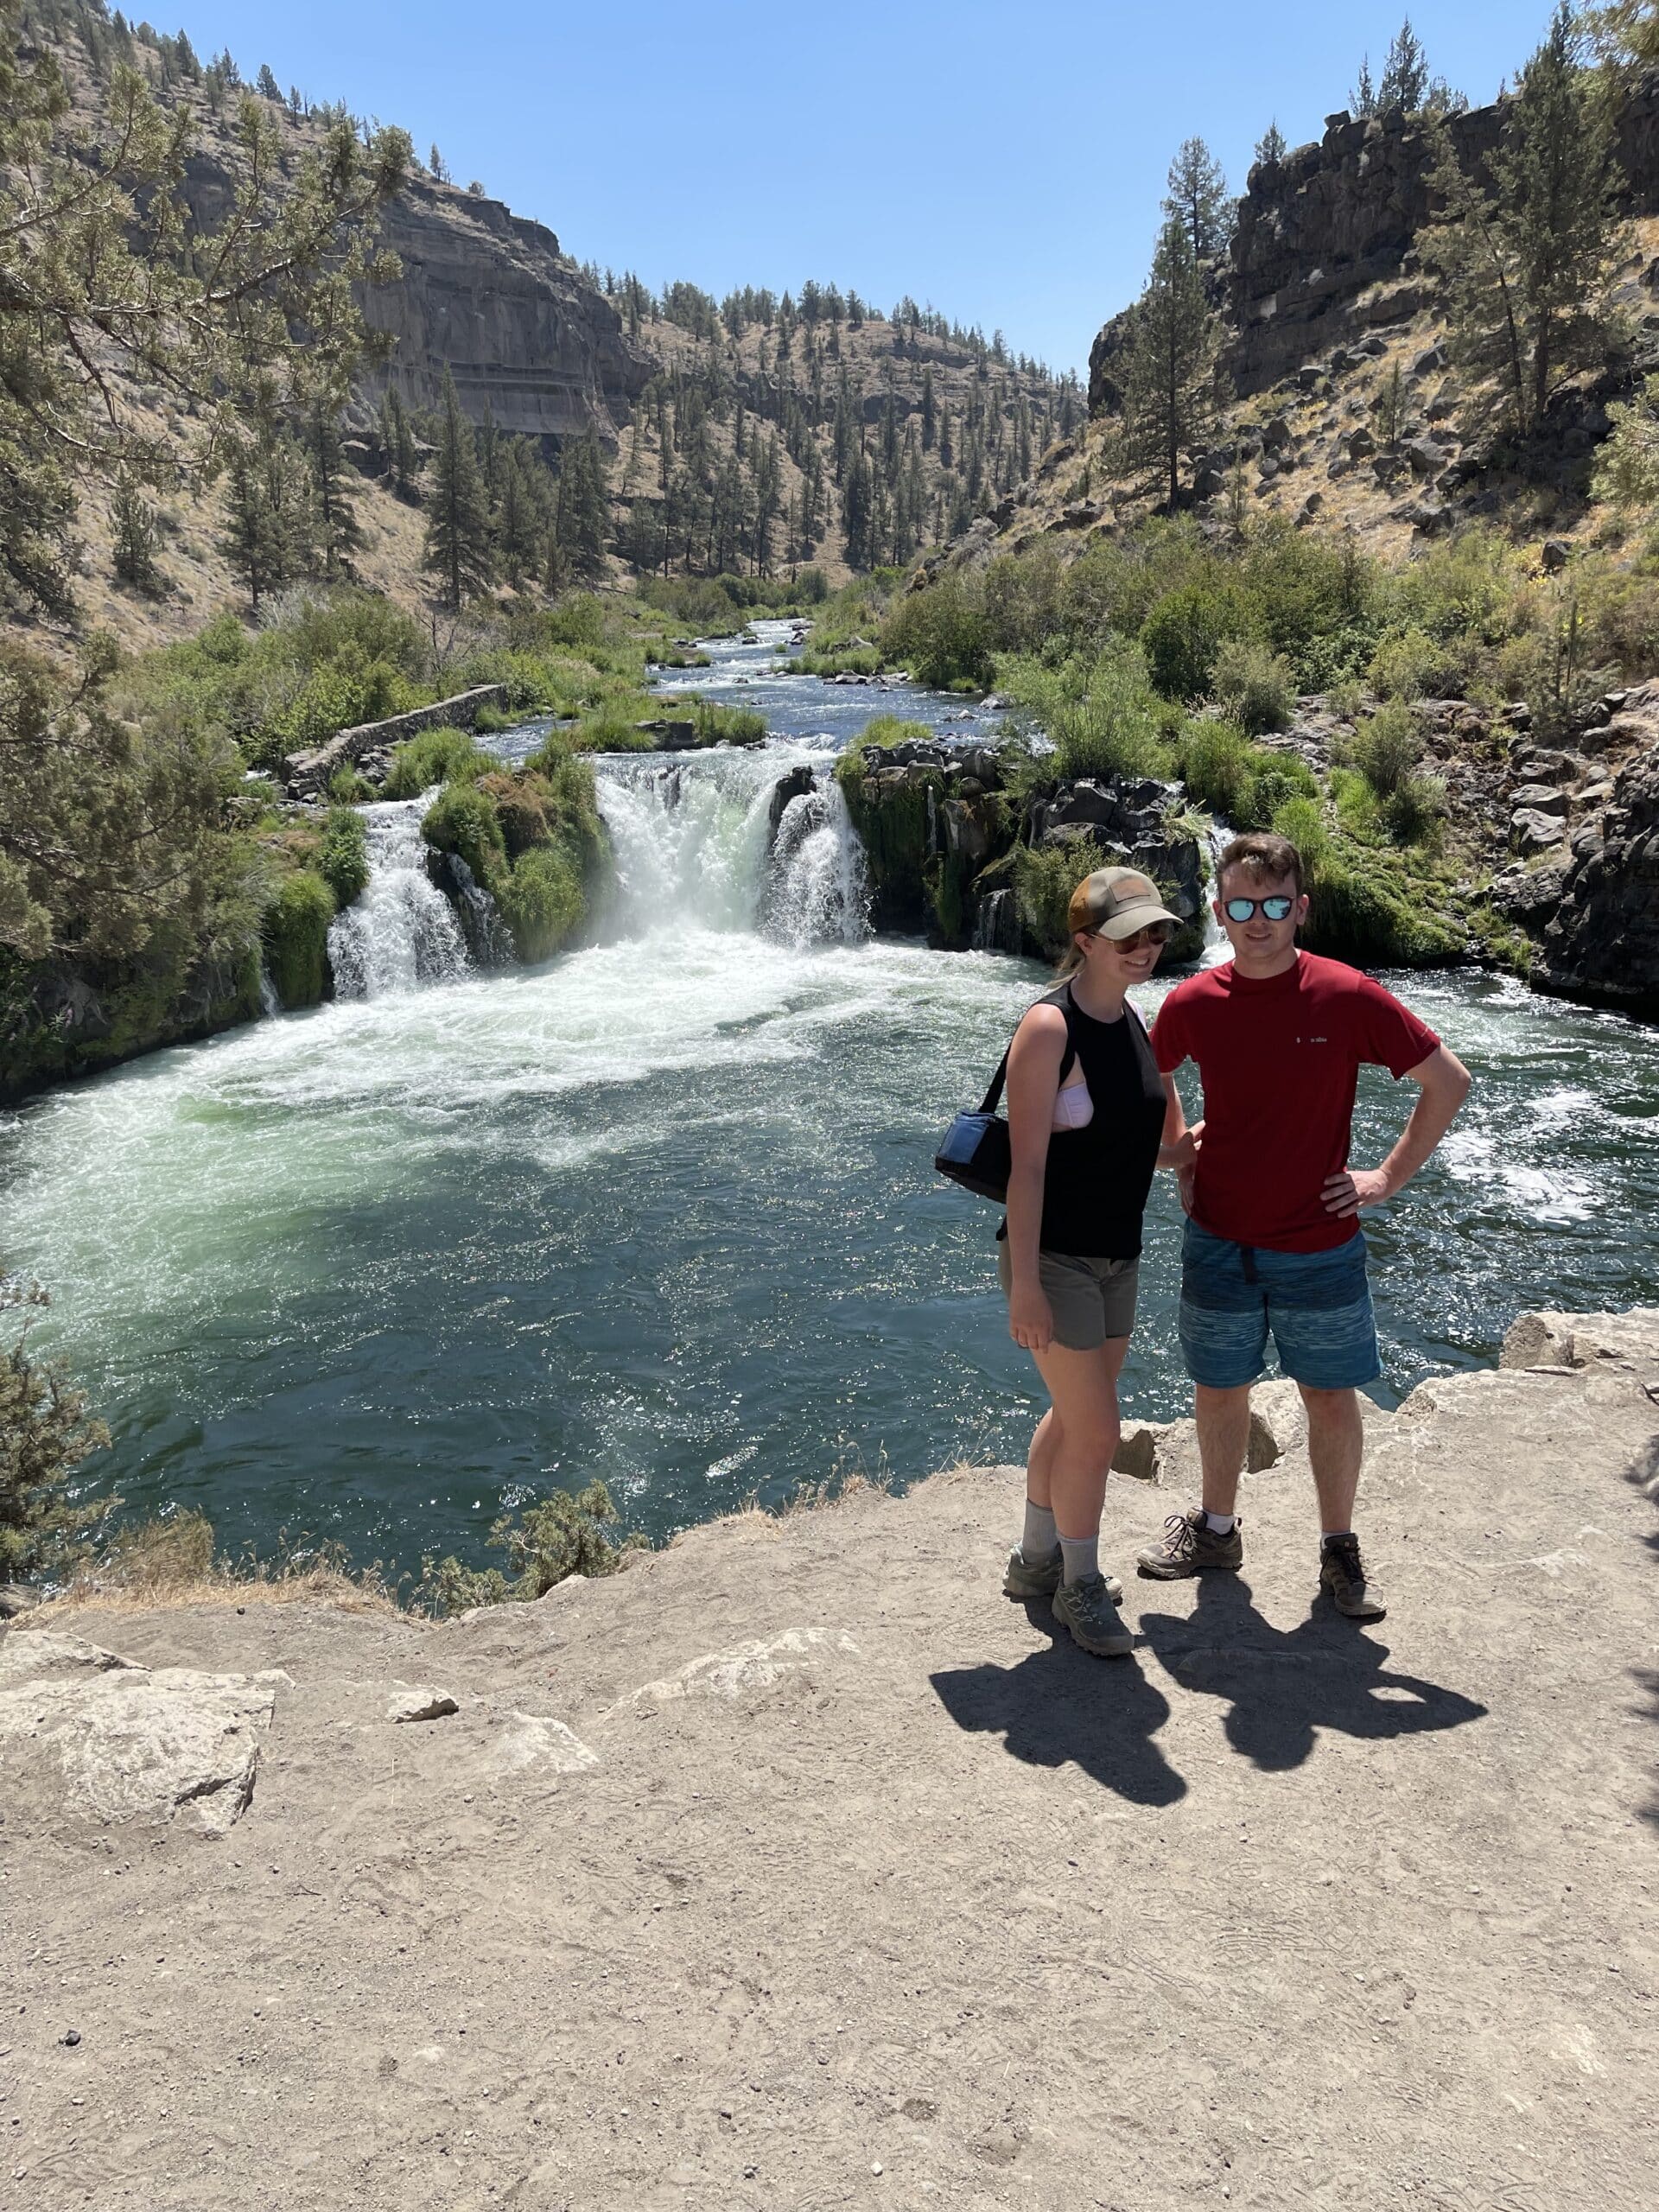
{"x":662,"y":1211}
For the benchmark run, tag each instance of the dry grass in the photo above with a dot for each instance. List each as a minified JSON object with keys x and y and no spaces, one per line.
{"x":170,"y":1562}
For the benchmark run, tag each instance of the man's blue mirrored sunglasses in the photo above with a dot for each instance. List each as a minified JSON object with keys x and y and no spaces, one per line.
{"x":1276,"y":909}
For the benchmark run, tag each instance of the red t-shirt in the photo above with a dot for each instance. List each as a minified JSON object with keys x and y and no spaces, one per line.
{"x":1279,"y":1060}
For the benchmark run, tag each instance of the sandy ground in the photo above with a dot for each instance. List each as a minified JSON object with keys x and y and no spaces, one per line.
{"x":797,"y":1867}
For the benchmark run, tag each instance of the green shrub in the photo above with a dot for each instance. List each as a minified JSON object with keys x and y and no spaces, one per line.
{"x":718,"y":724}
{"x":1302,"y":821}
{"x":941,"y":633}
{"x":489,"y":722}
{"x":462,"y":820}
{"x":433,"y":756}
{"x":1414,"y":811}
{"x":1240,"y":783}
{"x":1044,"y":876}
{"x":558,"y":1536}
{"x":1407,"y":665}
{"x":1182,"y":637}
{"x":295,"y":934}
{"x":343,"y":862}
{"x":348,"y":788}
{"x":46,"y":1430}
{"x":540,"y":900}
{"x":1100,"y":715}
{"x":1256,"y":686}
{"x":614,"y":726}
{"x":1388,"y":748}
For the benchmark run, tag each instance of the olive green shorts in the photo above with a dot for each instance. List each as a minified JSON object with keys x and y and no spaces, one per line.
{"x":1090,"y":1300}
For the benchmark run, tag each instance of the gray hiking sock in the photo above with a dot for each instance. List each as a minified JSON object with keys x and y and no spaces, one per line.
{"x":1219,"y":1524}
{"x":1041,"y":1539}
{"x":1081,"y":1557}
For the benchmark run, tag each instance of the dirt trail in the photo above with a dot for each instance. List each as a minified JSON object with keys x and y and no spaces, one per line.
{"x":797,"y":1867}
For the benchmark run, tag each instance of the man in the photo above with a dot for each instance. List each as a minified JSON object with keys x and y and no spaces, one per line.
{"x":1272,"y":1241}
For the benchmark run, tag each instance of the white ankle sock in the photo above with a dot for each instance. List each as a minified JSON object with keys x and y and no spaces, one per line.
{"x":1041,"y":1539}
{"x":1081,"y":1557}
{"x":1219,"y":1524}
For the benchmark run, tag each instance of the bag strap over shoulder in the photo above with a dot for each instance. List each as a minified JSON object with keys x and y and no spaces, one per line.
{"x":1062,"y":998}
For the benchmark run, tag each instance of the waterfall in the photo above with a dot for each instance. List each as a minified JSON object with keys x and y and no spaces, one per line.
{"x":401,"y":931}
{"x":996,"y":926}
{"x":818,"y":891}
{"x":268,"y":1002}
{"x":1217,"y":945}
{"x":695,"y":845}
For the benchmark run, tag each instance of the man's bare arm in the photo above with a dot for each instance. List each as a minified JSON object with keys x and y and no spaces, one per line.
{"x":1443,"y":1084}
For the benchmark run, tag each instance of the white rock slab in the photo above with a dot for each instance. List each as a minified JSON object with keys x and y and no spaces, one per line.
{"x":530,"y":1740}
{"x":85,"y":1732}
{"x":754,"y":1665}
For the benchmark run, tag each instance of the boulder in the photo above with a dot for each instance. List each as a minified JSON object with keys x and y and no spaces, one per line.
{"x":1541,"y":798}
{"x":92,"y":1735}
{"x":1602,"y":942}
{"x":1556,"y":554}
{"x":422,"y":1703}
{"x":1533,"y":832}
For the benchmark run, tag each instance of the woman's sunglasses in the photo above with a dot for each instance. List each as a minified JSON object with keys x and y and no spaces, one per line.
{"x":1275,"y":909}
{"x":1154,"y":933}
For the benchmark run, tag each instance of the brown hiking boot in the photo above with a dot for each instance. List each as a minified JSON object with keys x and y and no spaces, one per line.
{"x":1189,"y":1546}
{"x":1342,"y":1571}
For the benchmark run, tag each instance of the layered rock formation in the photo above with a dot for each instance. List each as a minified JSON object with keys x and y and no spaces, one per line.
{"x":487,"y":295}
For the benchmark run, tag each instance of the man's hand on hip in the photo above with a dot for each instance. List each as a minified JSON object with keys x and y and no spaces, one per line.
{"x":1345,"y":1194}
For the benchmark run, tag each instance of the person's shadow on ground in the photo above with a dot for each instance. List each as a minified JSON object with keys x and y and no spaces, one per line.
{"x":1284,"y":1686}
{"x":1059,"y":1704}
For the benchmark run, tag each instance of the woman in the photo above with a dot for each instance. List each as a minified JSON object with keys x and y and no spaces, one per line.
{"x":1089,"y":1115}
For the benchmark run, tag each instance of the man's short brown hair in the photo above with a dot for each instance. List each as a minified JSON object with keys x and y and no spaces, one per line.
{"x":1263,"y":856}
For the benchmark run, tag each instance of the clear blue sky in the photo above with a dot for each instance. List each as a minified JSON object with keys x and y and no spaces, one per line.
{"x":1005,"y":162}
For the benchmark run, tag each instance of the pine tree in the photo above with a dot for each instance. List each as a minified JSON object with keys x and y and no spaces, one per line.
{"x":136,"y":535}
{"x":857,"y":511}
{"x":1405,"y":74}
{"x":1196,"y":197}
{"x":338,"y":533}
{"x":266,"y":537}
{"x":1169,"y":366}
{"x":438,"y":166}
{"x":1529,"y":258}
{"x":947,"y":449}
{"x":523,"y":512}
{"x":1362,"y":101}
{"x":268,"y":86}
{"x":929,"y":409}
{"x":458,"y":527}
{"x":1270,"y":146}
{"x":584,"y":505}
{"x":402,"y":453}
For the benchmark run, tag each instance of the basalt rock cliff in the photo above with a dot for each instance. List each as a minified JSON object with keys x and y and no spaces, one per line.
{"x":531,"y":344}
{"x":1324,"y":250}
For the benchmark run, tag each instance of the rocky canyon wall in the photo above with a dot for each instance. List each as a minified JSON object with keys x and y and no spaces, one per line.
{"x":1325,"y":248}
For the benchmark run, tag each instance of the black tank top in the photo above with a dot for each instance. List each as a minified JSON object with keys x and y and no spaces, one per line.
{"x":1096,"y":1181}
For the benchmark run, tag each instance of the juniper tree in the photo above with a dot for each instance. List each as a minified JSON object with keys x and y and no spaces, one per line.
{"x":1169,"y":362}
{"x":103,"y":270}
{"x":1196,"y":196}
{"x":458,"y":527}
{"x":1528,"y":255}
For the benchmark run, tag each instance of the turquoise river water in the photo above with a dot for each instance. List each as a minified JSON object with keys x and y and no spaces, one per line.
{"x":662,"y":1211}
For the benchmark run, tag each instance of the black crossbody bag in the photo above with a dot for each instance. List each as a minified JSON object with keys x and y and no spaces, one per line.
{"x":977,"y":1152}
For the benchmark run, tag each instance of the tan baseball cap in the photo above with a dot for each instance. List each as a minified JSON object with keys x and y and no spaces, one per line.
{"x":1115,"y":902}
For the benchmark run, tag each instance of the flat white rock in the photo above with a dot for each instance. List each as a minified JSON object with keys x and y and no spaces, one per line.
{"x":110,"y":1741}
